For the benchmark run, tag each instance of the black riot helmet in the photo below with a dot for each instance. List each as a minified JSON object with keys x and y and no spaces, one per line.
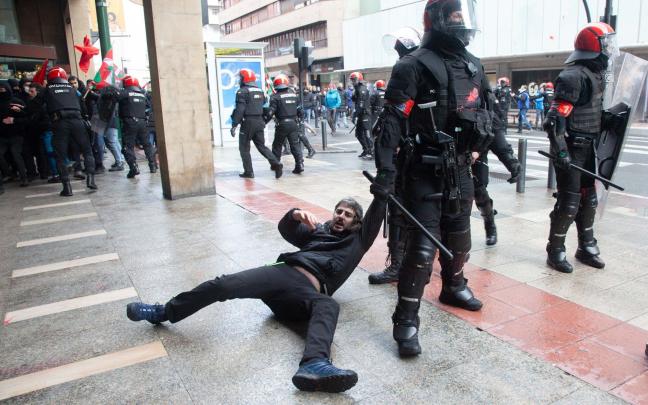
{"x":451,"y":20}
{"x":405,"y":40}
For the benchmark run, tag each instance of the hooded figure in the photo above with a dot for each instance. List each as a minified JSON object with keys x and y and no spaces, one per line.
{"x":12,"y":128}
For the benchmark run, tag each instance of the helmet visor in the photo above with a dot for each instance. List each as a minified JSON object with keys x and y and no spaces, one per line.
{"x":460,"y":19}
{"x":610,"y":46}
{"x":408,"y":37}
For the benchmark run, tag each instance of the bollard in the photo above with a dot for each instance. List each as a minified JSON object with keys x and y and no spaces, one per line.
{"x":324,"y":140}
{"x":522,"y":157}
{"x":551,"y":176}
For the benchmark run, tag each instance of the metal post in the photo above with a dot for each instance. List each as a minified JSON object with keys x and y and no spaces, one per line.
{"x":522,"y":156}
{"x":551,"y":178}
{"x":324,"y":140}
{"x":102,"y":25}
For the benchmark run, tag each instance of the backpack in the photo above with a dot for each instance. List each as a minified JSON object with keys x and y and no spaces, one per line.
{"x":107,"y":102}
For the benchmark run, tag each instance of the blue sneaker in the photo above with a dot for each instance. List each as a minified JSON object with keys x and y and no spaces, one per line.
{"x":321,"y":375}
{"x":138,"y":311}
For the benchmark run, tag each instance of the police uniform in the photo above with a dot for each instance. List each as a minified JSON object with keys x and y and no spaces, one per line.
{"x":456,"y":83}
{"x":377,"y":102}
{"x":64,"y":109}
{"x":284,"y":107}
{"x":249,"y":114}
{"x":503,"y":96}
{"x":132,"y":111}
{"x":361,"y":99}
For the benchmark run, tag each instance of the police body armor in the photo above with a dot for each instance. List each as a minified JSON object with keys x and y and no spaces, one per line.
{"x":363,"y":100}
{"x":457,"y":89}
{"x":62,"y":96}
{"x":286,"y":105}
{"x":255,"y":101}
{"x":134,"y":104}
{"x":379,"y":102}
{"x":504,"y":97}
{"x":586,"y":118}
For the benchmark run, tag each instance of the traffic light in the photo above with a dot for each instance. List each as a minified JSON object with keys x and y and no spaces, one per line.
{"x":298,"y":44}
{"x":307,"y":58}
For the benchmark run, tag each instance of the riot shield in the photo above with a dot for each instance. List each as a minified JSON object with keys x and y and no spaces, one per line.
{"x":625,"y":82}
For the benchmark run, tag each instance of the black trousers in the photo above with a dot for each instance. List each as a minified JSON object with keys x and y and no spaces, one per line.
{"x":34,"y":151}
{"x":136,"y":131}
{"x":252,"y":131}
{"x":13,"y":144}
{"x":71,"y":131}
{"x":362,"y":133}
{"x":287,"y":130}
{"x":288,"y":293}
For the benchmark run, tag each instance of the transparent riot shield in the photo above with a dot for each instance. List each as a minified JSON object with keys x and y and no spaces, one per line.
{"x":625,"y":83}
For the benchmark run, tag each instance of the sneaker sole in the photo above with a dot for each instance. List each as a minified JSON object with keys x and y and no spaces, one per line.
{"x":333,"y":384}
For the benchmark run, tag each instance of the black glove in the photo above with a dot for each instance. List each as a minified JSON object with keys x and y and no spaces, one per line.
{"x":233,"y":132}
{"x":380,"y":192}
{"x":382,"y":186}
{"x":562,"y":160}
{"x":515,"y":170}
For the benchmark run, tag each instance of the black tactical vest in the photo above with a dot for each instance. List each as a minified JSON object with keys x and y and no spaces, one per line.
{"x":286,"y":104}
{"x":255,"y":101}
{"x":61,"y":95}
{"x":586,"y":118}
{"x":362,"y":99}
{"x":133,"y":104}
{"x":380,"y":100}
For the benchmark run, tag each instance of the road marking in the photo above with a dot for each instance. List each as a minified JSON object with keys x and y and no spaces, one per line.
{"x":58,"y":219}
{"x":49,"y":194}
{"x":641,"y":197}
{"x":68,"y":305}
{"x":63,"y":204}
{"x":74,"y":371}
{"x":55,"y":184}
{"x":60,"y":238}
{"x":68,"y":264}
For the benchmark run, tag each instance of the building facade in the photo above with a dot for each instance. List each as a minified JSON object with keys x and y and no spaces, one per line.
{"x":279,"y":22}
{"x":527,"y":40}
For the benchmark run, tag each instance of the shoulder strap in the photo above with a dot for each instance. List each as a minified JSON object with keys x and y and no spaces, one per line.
{"x":433,"y":63}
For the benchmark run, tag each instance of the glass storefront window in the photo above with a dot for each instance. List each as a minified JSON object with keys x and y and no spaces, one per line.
{"x":8,"y":22}
{"x":18,"y":67}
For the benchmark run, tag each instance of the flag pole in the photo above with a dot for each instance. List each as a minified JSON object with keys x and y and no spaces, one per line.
{"x":102,"y":25}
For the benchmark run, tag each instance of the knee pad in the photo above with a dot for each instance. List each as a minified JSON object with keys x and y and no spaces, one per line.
{"x":458,"y":241}
{"x":481,"y":195}
{"x":420,"y":259}
{"x":589,"y":199}
{"x":568,"y":202}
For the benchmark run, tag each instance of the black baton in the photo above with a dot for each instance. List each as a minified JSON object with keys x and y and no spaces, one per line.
{"x":444,"y":250}
{"x":607,"y":183}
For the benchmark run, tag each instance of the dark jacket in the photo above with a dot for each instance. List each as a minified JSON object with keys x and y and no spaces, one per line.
{"x":7,"y":101}
{"x":330,"y":257}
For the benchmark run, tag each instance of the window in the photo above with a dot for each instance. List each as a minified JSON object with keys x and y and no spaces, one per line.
{"x":281,"y":44}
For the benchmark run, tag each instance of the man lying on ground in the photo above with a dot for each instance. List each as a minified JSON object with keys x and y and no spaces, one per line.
{"x":298,"y":287}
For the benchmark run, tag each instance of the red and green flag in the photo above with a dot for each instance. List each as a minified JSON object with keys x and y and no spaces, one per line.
{"x":108,"y":72}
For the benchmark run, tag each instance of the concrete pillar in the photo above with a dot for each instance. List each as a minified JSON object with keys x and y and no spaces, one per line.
{"x":180,"y":99}
{"x":77,"y":26}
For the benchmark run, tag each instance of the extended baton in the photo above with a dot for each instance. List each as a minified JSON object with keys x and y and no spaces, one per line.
{"x":607,"y":183}
{"x":353,"y":128}
{"x":444,"y":250}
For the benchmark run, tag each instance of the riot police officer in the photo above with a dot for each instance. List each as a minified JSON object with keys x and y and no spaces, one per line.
{"x":404,"y":41}
{"x":362,"y":114}
{"x":132,"y":111}
{"x":249,"y":114}
{"x":284,"y":106}
{"x":440,"y":92}
{"x":64,"y":109}
{"x":503,"y":97}
{"x":573,"y":125}
{"x":504,"y":152}
{"x":377,"y":100}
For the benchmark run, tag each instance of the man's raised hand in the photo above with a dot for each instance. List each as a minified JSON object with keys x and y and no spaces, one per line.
{"x":306,"y":218}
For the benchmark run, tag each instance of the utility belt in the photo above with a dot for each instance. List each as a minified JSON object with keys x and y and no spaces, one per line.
{"x":65,"y":115}
{"x":250,"y":117}
{"x":133,"y":119}
{"x":581,"y":140}
{"x":293,"y":119}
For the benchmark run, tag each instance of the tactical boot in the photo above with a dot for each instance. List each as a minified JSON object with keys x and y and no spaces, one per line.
{"x":321,"y":375}
{"x":153,"y":167}
{"x":390,"y":274}
{"x":134,"y":171}
{"x":67,"y":189}
{"x":138,"y":311}
{"x":557,"y":259}
{"x":299,"y":168}
{"x":491,"y":230}
{"x":246,"y":175}
{"x":278,"y":169}
{"x":90,"y":182}
{"x":460,"y":297}
{"x":405,"y":333}
{"x":588,"y":253}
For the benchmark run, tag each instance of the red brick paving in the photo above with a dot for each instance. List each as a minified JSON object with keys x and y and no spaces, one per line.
{"x":594,"y":347}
